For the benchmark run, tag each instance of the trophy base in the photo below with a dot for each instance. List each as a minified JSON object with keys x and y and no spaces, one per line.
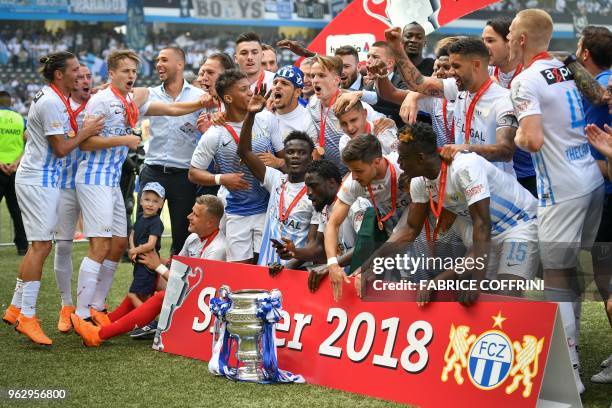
{"x":249,"y":374}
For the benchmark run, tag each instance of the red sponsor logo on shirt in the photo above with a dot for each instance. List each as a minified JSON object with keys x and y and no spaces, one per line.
{"x":472,"y":191}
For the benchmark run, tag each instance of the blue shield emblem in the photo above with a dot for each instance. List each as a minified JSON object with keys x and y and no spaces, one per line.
{"x":490,"y":359}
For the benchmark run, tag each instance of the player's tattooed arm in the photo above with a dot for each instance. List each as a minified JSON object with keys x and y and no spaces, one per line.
{"x":588,"y":85}
{"x":501,"y":151}
{"x":504,"y":149}
{"x":414,"y":79}
{"x":585,"y":82}
{"x":384,"y":87}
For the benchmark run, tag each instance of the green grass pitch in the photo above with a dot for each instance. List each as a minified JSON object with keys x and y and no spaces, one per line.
{"x":128,"y":373}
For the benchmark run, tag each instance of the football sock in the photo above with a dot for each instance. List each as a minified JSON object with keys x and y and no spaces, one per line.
{"x":62,"y":265}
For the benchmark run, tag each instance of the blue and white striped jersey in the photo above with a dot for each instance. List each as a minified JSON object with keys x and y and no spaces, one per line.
{"x":472,"y":178}
{"x":47,"y":116}
{"x":219,"y":145}
{"x":434,"y":107}
{"x":103,"y":167}
{"x":297,"y":224}
{"x":70,"y":162}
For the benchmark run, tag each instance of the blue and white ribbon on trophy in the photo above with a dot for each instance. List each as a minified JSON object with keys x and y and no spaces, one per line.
{"x":222,"y":341}
{"x":269,"y":311}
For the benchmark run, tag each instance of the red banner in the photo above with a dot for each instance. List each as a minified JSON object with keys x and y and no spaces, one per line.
{"x":364,"y":21}
{"x":491,"y":354}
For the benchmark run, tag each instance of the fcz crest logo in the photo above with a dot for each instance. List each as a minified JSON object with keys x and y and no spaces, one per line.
{"x":491,"y":358}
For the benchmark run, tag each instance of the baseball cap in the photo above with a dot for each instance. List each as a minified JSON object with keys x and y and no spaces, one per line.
{"x":291,"y":74}
{"x":155,"y":187}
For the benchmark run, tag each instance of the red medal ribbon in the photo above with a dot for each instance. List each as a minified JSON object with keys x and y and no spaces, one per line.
{"x":393,"y":197}
{"x":517,"y":71}
{"x":131,"y":110}
{"x":470,"y":113}
{"x":72,"y":115}
{"x":324,"y":118}
{"x":260,"y":81}
{"x":232,"y":132}
{"x":281,"y":204}
{"x":436,"y":208}
{"x":542,"y":55}
{"x":209,"y":239}
{"x":79,"y":109}
{"x":368,"y":128}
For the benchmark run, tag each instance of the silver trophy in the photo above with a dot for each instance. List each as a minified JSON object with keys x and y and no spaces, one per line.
{"x":247,"y":328}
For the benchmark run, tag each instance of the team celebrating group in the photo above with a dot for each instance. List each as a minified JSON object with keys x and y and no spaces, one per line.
{"x":498,"y":150}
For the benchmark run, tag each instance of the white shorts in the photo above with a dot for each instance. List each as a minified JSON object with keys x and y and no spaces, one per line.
{"x":103,"y":211}
{"x":39,"y":206}
{"x":243,"y":235}
{"x":513,"y":252}
{"x":567,"y":227}
{"x":68,"y":215}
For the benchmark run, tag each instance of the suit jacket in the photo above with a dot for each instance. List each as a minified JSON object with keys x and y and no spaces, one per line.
{"x":388,"y":108}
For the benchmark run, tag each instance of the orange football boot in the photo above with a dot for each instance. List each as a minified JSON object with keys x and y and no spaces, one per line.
{"x":11,"y":314}
{"x":99,"y":318}
{"x":30,"y":326}
{"x":88,"y":332}
{"x":64,"y":325}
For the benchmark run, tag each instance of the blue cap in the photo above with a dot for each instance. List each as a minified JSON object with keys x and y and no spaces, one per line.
{"x":156,"y":188}
{"x":291,"y":74}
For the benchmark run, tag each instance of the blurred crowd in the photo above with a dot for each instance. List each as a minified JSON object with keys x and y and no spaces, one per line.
{"x":21,"y":49}
{"x":603,"y":7}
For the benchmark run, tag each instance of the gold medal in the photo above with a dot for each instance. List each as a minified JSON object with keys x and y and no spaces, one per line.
{"x":380,"y":225}
{"x":321,"y":151}
{"x":71,"y":133}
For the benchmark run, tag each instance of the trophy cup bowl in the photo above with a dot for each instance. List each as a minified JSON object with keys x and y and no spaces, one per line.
{"x":247,"y":328}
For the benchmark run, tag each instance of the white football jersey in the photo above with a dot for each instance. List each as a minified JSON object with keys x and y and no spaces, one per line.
{"x":298,"y":222}
{"x":347,"y":233}
{"x":351,"y":190}
{"x":564,"y":165}
{"x":504,"y":79}
{"x":490,"y":110}
{"x":268,"y":80}
{"x":471,"y":178}
{"x":47,"y":116}
{"x":215,"y":250}
{"x":297,"y":119}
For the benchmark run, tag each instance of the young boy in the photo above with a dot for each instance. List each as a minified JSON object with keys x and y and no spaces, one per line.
{"x":146,"y":237}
